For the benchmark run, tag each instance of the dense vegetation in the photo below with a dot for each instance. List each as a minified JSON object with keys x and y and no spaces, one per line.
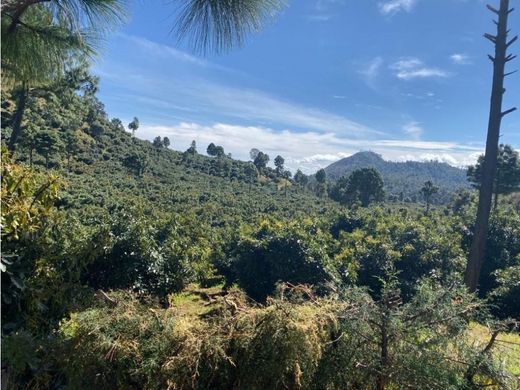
{"x":131,"y":265}
{"x":403,"y":180}
{"x":126,"y":264}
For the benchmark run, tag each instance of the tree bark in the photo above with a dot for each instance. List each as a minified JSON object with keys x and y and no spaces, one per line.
{"x":382,"y":379}
{"x":478,"y":245}
{"x":18,"y":117}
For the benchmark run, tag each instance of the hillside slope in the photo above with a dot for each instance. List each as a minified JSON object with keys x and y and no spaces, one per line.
{"x":404,"y":179}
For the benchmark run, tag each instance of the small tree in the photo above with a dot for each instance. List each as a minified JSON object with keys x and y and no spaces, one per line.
{"x":158,"y":142}
{"x":117,"y":124}
{"x":278,"y":163}
{"x":166,"y":142}
{"x":261,"y":161}
{"x":428,"y":190}
{"x":29,"y":141}
{"x":193,"y":148}
{"x":137,"y":162}
{"x":507,"y":178}
{"x":251,"y":174}
{"x":211,"y":149}
{"x":321,"y":178}
{"x":71,"y":146}
{"x":253,"y":153}
{"x":216,"y":151}
{"x":286,"y":176}
{"x":48,"y":143}
{"x":219,"y":151}
{"x":365,"y":185}
{"x":301,"y":179}
{"x":340,"y":193}
{"x":133,"y":126}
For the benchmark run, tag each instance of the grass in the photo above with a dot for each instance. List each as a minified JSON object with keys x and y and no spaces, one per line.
{"x":506,"y":348}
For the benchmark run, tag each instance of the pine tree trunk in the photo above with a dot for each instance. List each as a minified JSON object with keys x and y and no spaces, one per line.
{"x":478,"y":245}
{"x":382,"y":379}
{"x":18,"y":117}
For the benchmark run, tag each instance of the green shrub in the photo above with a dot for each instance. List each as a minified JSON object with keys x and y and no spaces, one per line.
{"x":282,"y":252}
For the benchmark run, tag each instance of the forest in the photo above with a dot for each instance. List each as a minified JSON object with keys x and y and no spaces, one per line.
{"x":127,"y":264}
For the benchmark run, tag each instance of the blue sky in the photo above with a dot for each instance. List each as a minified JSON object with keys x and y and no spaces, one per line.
{"x":409,"y":79}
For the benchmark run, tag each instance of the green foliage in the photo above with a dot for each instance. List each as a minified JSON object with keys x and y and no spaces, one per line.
{"x":277,"y":252}
{"x":137,"y":162}
{"x":216,"y":151}
{"x":48,"y":143}
{"x":216,"y":26}
{"x":295,"y":341}
{"x":403,"y":180}
{"x":149,"y":223}
{"x":321,"y":176}
{"x":413,"y":246}
{"x":134,"y":125}
{"x":428,"y":191}
{"x":502,"y":250}
{"x":278,"y":163}
{"x":148,"y":257}
{"x":27,"y":203}
{"x":166,"y":142}
{"x":507,"y":178}
{"x":363,"y":185}
{"x":261,"y":161}
{"x":301,"y":179}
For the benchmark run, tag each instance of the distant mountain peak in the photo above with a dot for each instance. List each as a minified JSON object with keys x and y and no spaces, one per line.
{"x":367,"y":155}
{"x":403,"y":178}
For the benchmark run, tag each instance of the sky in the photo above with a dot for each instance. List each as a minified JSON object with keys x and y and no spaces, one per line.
{"x":409,"y":79}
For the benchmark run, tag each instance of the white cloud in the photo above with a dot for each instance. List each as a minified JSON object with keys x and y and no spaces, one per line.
{"x":158,"y":50}
{"x":184,"y":90}
{"x":308,"y":150}
{"x":413,"y":129}
{"x":371,"y":71}
{"x":412,"y":68}
{"x":392,"y":7}
{"x":460,"y":59}
{"x":323,"y":10}
{"x":318,"y":17}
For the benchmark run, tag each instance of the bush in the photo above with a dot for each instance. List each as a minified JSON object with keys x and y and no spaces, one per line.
{"x":223,"y":343}
{"x":277,"y":252}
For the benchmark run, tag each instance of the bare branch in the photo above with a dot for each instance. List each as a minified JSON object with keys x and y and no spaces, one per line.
{"x":492,"y":9}
{"x":492,"y":38}
{"x":512,"y":41}
{"x":508,"y":111}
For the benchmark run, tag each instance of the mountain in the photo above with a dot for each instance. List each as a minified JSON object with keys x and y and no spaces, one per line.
{"x":404,"y":179}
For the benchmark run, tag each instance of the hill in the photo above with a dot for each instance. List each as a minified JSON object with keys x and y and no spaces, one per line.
{"x":104,"y":168}
{"x":404,"y":179}
{"x":127,"y":264}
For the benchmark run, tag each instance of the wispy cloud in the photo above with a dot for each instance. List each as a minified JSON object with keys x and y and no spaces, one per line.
{"x":413,"y":68}
{"x":460,"y":59}
{"x":322,"y":10}
{"x":318,"y":17}
{"x":183,"y":89}
{"x":309,"y":150}
{"x":370,"y":71}
{"x":413,"y":130}
{"x":391,"y":7}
